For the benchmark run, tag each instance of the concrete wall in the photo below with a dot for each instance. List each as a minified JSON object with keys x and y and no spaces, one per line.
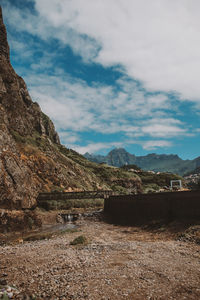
{"x":143,"y":208}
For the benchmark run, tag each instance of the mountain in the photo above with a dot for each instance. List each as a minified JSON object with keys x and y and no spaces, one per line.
{"x":197,"y":168}
{"x":32,"y":160}
{"x":155,"y":162}
{"x":117,"y":157}
{"x":195,"y":171}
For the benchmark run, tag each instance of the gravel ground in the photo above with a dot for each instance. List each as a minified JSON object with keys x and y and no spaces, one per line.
{"x":117,"y":263}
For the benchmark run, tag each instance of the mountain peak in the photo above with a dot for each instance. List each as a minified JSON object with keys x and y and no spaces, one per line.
{"x":118,"y":150}
{"x":4,"y":47}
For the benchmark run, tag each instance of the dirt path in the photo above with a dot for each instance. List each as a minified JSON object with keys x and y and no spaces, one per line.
{"x":117,"y":263}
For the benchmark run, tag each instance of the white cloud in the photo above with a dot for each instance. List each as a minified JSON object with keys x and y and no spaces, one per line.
{"x":69,"y":137}
{"x":166,"y":127}
{"x":156,"y":41}
{"x":152,"y":145}
{"x":95,"y":147}
{"x":75,"y":106}
{"x":160,"y":130}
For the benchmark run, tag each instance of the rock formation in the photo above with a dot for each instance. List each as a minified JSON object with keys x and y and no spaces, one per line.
{"x":31,"y":156}
{"x":16,"y":114}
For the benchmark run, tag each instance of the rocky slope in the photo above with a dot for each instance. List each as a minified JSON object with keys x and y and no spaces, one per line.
{"x":155,"y":162}
{"x":31,"y":156}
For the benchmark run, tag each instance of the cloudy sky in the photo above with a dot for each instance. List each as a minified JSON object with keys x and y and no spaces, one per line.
{"x":112,"y":73}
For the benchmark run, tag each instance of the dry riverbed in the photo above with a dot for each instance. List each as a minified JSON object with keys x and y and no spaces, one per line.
{"x":115,"y":263}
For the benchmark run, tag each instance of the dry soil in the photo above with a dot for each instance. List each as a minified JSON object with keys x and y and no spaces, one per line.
{"x":116,"y":263}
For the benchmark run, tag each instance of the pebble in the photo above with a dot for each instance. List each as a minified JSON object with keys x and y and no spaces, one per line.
{"x":3,"y":282}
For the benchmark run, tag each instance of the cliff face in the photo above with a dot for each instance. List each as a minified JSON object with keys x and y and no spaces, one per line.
{"x":14,"y":177}
{"x":24,"y":116}
{"x":31,"y":156}
{"x":4,"y":48}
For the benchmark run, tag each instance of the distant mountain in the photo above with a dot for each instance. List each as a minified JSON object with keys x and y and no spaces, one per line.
{"x":196,"y":171}
{"x":116,"y":157}
{"x":155,"y":162}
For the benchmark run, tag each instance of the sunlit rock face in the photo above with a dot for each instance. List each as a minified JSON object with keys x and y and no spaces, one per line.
{"x":20,"y":119}
{"x":16,"y":187}
{"x":4,"y":48}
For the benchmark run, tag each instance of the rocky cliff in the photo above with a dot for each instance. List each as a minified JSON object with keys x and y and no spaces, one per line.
{"x":31,"y":156}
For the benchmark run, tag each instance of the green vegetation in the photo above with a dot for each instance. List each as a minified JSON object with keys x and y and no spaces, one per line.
{"x":39,"y":236}
{"x":5,"y":297}
{"x":35,"y":141}
{"x":48,"y":235}
{"x":30,"y":222}
{"x":153,"y":182}
{"x":128,"y":167}
{"x":151,"y":188}
{"x":113,"y":178}
{"x":45,"y":120}
{"x":56,"y":189}
{"x":18,"y":138}
{"x":162,"y":179}
{"x":69,"y":204}
{"x":80,"y":240}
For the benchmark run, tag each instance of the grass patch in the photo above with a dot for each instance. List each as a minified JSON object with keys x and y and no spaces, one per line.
{"x":5,"y":296}
{"x":38,"y":237}
{"x":48,"y":235}
{"x":80,"y":240}
{"x":151,"y":187}
{"x":69,"y":204}
{"x":162,"y":179}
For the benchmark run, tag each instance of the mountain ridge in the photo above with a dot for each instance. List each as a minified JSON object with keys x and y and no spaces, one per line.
{"x":154,"y":162}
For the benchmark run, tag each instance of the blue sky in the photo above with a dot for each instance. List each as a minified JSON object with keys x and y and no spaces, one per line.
{"x":112,"y":73}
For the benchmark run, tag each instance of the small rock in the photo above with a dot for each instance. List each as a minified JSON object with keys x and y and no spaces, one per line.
{"x":8,"y":289}
{"x":3,"y":282}
{"x":10,"y":294}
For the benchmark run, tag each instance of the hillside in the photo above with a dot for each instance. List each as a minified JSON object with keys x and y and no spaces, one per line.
{"x":155,"y":162}
{"x":32,"y":159}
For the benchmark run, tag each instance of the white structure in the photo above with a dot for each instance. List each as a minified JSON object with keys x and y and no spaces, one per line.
{"x":176,"y":184}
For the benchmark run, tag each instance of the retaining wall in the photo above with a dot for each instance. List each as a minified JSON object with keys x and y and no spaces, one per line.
{"x":143,"y":208}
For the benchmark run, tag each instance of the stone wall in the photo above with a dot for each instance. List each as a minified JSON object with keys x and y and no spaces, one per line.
{"x":144,"y":208}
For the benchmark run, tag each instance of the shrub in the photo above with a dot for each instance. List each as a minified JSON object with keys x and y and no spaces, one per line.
{"x":80,"y":240}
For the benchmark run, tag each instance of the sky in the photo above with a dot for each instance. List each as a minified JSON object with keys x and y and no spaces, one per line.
{"x":112,"y":73}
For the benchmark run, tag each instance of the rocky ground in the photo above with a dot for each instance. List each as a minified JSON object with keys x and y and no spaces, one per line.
{"x":115,"y":263}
